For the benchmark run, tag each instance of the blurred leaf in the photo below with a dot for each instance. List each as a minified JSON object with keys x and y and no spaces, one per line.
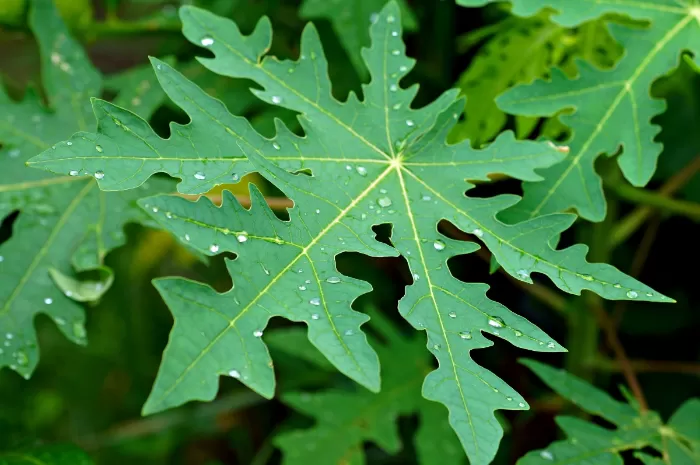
{"x":46,"y":455}
{"x":346,"y":419}
{"x":590,"y":444}
{"x":65,"y":223}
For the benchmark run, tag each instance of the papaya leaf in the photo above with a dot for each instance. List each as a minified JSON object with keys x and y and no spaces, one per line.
{"x":520,"y":51}
{"x":587,"y":443}
{"x":609,"y":108}
{"x":59,"y":454}
{"x":360,"y":163}
{"x":346,"y":419}
{"x":350,"y":21}
{"x":66,"y":224}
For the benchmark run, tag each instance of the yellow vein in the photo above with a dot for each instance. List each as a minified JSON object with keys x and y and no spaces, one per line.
{"x":273,"y":281}
{"x":416,"y":237}
{"x":45,"y":248}
{"x":599,"y":127}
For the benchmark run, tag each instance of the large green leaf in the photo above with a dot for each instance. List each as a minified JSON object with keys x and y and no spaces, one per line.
{"x":46,"y":455}
{"x":609,"y":108}
{"x":590,"y":444}
{"x":66,"y":224}
{"x":372,"y":161}
{"x":346,"y":419}
{"x":350,"y":21}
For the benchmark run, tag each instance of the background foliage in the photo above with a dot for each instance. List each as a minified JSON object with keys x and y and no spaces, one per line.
{"x":90,"y":396}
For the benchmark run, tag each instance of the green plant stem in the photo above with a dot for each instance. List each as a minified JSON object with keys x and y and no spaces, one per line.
{"x":656,"y":200}
{"x":117,"y":27}
{"x":648,"y":366}
{"x":627,"y":226}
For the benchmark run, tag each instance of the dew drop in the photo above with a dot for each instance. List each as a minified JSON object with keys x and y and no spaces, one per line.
{"x":48,"y":301}
{"x":410,"y":123}
{"x":214,"y":248}
{"x":276,"y":99}
{"x":22,"y":359}
{"x":587,"y":277}
{"x":318,"y":211}
{"x":452,"y":315}
{"x":315,"y":316}
{"x":524,"y":274}
{"x":2,"y":259}
{"x":199,"y":175}
{"x":98,"y":148}
{"x":547,"y":455}
{"x":403,"y":69}
{"x":242,"y":236}
{"x":73,"y":172}
{"x":393,"y":87}
{"x":521,"y":404}
{"x":155,"y":209}
{"x":551,"y":345}
{"x":9,"y":335}
{"x":617,"y":286}
{"x":396,"y":106}
{"x":333,"y":280}
{"x":99,"y":174}
{"x":302,"y":288}
{"x":79,"y":330}
{"x":416,"y":276}
{"x":384,"y":202}
{"x":276,"y":146}
{"x":465,"y":334}
{"x":315,"y":301}
{"x":69,"y":143}
{"x":257,"y":333}
{"x":361,"y":170}
{"x":373,"y":18}
{"x":235,"y":177}
{"x":207,"y":41}
{"x":187,"y":237}
{"x":394,"y":33}
{"x":509,"y":399}
{"x":234,"y":374}
{"x":496,"y":322}
{"x":518,"y":333}
{"x":395,"y":52}
{"x":426,"y":198}
{"x":390,"y":19}
{"x":632,"y":294}
{"x":439,"y":245}
{"x":478,"y":232}
{"x":349,"y":332}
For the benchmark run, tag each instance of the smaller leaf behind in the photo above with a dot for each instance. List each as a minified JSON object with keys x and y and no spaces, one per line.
{"x":587,"y":443}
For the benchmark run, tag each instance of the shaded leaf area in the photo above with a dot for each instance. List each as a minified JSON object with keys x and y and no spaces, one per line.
{"x":346,"y":419}
{"x":676,"y":442}
{"x":517,"y":51}
{"x":66,"y":224}
{"x":350,"y":21}
{"x":606,"y":109}
{"x":365,"y":163}
{"x":46,"y":455}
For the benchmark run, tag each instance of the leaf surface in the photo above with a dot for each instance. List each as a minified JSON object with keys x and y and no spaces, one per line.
{"x":66,"y":223}
{"x":365,"y":162}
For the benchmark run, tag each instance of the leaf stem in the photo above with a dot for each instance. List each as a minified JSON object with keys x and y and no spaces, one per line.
{"x":658,"y":201}
{"x":118,"y":27}
{"x":628,"y":225}
{"x":648,"y":366}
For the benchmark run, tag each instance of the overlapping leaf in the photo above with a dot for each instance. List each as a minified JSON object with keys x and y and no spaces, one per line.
{"x":610,"y":108}
{"x":350,"y":21}
{"x":587,"y":443}
{"x":519,"y":51}
{"x":370,"y":161}
{"x":346,"y":419}
{"x":66,"y":224}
